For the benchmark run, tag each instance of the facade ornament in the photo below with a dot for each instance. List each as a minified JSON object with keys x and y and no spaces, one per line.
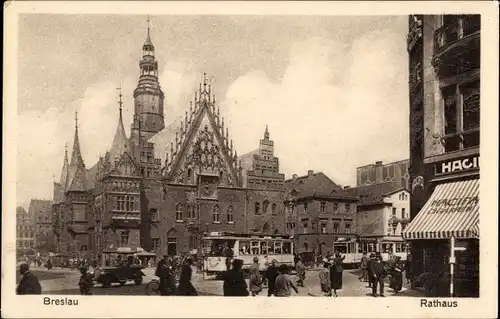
{"x":417,"y":182}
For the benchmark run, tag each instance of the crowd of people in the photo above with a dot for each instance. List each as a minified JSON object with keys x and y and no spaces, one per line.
{"x":375,"y":271}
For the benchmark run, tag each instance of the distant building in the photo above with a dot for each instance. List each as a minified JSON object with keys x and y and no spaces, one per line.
{"x":40,"y":214}
{"x":24,"y":232}
{"x":444,"y":90}
{"x":383,"y":212}
{"x":261,"y":169}
{"x":318,"y":212}
{"x":395,"y":172}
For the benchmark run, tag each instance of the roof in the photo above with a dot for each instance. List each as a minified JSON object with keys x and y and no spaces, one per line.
{"x":40,"y":205}
{"x":374,"y":194}
{"x":316,"y":185}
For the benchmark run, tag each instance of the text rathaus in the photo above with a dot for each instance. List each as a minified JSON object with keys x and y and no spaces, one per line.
{"x":132,"y":200}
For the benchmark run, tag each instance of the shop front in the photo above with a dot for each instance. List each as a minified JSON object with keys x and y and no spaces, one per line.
{"x":444,"y":237}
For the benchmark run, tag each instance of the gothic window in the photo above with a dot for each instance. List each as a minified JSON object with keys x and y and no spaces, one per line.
{"x":305,"y":207}
{"x":265,"y":207}
{"x":124,"y":238}
{"x":403,"y":213}
{"x":257,"y":208}
{"x":192,"y":211}
{"x":216,"y":214}
{"x":394,"y":211}
{"x":274,"y":209}
{"x":230,"y":215}
{"x":178,"y":213}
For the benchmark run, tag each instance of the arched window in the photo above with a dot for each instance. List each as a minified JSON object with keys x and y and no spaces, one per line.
{"x":274,"y":209}
{"x":265,"y":207}
{"x":216,"y":214}
{"x":178,"y":213}
{"x":190,"y":172}
{"x":257,"y":208}
{"x":230,"y":215}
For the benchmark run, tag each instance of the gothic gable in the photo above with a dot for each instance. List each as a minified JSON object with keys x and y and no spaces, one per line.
{"x":202,"y":149}
{"x":126,"y":167}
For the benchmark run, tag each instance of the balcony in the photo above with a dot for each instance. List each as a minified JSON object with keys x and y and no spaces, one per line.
{"x":458,"y":35}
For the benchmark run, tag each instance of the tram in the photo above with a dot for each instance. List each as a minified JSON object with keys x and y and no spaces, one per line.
{"x":220,"y":248}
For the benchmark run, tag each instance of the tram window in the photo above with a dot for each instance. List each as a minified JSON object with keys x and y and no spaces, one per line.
{"x":398,"y":248}
{"x":244,"y":247}
{"x":360,"y":248}
{"x":341,"y":248}
{"x":277,"y":247}
{"x":263,"y":247}
{"x":403,"y":248}
{"x":287,"y":247}
{"x":255,"y":248}
{"x":371,"y":248}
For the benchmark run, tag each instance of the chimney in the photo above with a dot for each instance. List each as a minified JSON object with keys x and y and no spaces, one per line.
{"x":378,"y":163}
{"x":347,"y":187}
{"x":310,"y":172}
{"x":294,"y":177}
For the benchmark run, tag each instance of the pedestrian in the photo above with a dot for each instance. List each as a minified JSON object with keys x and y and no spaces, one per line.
{"x":369,"y":269}
{"x":324,"y":278}
{"x":379,"y":273}
{"x":49,"y":264}
{"x":363,"y":266}
{"x":255,"y":279}
{"x":29,"y":284}
{"x":186,"y":288}
{"x":271,"y":274}
{"x":85,"y":282}
{"x":234,"y":281}
{"x":408,"y":268}
{"x":336,"y":273}
{"x":397,"y":275}
{"x":164,"y":272}
{"x":284,"y":283}
{"x":301,"y":272}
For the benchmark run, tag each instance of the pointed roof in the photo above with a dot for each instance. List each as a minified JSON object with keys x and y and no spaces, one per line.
{"x":148,"y":36}
{"x":65,"y":169}
{"x":76,"y":176}
{"x":120,"y":141}
{"x":204,"y":108}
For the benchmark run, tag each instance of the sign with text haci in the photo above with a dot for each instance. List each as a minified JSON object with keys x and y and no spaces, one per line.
{"x":454,"y":166}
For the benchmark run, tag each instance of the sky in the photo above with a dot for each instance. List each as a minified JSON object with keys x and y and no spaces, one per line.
{"x":333,"y":90}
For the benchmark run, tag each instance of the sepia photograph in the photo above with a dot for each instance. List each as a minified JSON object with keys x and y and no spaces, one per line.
{"x":196,"y":154}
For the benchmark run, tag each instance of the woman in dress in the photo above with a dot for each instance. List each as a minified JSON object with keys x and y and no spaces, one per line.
{"x":396,"y":272}
{"x":336,"y":271}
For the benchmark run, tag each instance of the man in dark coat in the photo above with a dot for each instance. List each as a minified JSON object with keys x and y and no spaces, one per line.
{"x":369,"y":269}
{"x":29,"y":284}
{"x":270,"y":275}
{"x":186,"y":288}
{"x":378,"y":272}
{"x":164,"y":272}
{"x":363,"y":265}
{"x":234,"y":281}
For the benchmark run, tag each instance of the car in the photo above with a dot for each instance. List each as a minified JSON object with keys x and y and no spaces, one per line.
{"x":121,"y":274}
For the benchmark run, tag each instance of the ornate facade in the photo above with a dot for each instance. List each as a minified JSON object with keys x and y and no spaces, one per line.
{"x":129,"y":199}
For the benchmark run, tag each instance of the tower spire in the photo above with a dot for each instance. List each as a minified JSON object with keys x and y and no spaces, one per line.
{"x":266,"y":133}
{"x":148,"y":35}
{"x":76,"y":171}
{"x":64,"y":172}
{"x":120,"y":141}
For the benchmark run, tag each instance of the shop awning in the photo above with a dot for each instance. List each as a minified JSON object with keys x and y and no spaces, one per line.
{"x":452,"y":210}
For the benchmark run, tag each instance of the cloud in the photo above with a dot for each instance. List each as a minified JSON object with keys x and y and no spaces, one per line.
{"x":335,"y":108}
